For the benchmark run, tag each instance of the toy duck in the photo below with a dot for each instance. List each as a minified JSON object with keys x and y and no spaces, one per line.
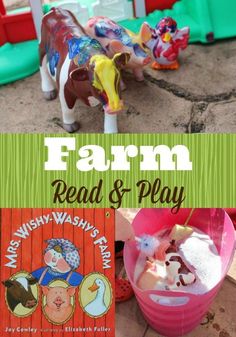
{"x":165,"y":42}
{"x":97,"y":307}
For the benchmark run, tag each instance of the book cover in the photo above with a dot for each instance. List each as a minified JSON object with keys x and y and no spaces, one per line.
{"x":57,"y":272}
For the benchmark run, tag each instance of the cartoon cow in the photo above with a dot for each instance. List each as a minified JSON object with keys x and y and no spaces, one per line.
{"x":61,"y":258}
{"x":115,"y":39}
{"x":19,"y":292}
{"x":78,"y":67}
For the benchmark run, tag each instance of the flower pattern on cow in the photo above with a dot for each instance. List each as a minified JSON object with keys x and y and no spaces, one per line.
{"x":82,"y":47}
{"x":53,"y":58}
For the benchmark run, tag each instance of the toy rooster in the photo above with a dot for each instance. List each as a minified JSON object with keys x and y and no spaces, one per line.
{"x":165,"y":42}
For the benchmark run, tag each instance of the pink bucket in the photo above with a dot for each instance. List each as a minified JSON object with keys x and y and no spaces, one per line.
{"x":173,"y":313}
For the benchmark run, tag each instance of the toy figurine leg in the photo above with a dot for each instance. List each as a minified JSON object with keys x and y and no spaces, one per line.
{"x":68,"y":106}
{"x":110,"y":123}
{"x":67,"y":100}
{"x":47,"y":83}
{"x":122,"y":85}
{"x":138,"y":73}
{"x":172,"y":66}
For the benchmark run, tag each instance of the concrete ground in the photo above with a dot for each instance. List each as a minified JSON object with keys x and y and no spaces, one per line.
{"x":199,"y":97}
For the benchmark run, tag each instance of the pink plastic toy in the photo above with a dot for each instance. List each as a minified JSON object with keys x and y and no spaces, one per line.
{"x":174,"y":313}
{"x":115,"y":39}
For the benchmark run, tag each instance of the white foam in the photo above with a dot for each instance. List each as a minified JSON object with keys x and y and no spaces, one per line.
{"x":200,"y":252}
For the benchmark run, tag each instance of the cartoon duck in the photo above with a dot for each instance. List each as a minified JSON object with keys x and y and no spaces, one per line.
{"x":97,"y":307}
{"x":165,"y":42}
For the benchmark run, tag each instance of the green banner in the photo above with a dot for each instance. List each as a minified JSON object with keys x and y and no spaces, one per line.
{"x":144,"y":170}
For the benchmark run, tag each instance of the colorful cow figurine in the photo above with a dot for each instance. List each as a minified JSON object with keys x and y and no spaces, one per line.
{"x":115,"y":39}
{"x":164,"y":42}
{"x":78,"y":67}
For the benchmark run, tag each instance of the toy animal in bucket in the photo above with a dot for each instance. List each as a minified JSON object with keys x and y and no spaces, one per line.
{"x":78,"y":66}
{"x":177,"y":270}
{"x":174,"y":267}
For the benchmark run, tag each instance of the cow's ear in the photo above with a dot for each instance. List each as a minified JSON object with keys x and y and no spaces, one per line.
{"x":7,"y":283}
{"x":45,"y":290}
{"x":31,"y":280}
{"x":79,"y":74}
{"x":71,"y":291}
{"x":121,"y":59}
{"x":115,"y":46}
{"x":145,"y":32}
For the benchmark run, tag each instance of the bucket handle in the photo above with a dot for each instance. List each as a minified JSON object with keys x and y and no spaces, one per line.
{"x":168,"y":293}
{"x":169,"y":301}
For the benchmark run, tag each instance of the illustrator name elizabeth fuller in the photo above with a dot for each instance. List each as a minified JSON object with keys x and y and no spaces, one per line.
{"x":87,"y":329}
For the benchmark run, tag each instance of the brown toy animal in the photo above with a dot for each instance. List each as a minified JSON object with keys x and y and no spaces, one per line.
{"x":178,"y":273}
{"x":76,"y":65}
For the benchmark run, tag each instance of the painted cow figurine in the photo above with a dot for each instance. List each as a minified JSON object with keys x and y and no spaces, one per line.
{"x":115,"y":39}
{"x":19,"y":292}
{"x":178,"y":273}
{"x":78,"y":67}
{"x":164,"y":43}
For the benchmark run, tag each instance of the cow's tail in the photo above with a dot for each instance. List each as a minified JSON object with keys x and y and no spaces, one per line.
{"x":42,"y":44}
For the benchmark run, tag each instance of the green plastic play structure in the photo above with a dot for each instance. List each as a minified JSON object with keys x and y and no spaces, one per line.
{"x":208,"y":20}
{"x":11,"y":60}
{"x":20,"y":60}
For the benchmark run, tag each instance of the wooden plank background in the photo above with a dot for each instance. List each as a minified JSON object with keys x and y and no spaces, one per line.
{"x":30,"y":258}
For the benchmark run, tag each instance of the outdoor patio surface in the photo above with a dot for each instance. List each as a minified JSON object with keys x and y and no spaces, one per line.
{"x":199,"y":97}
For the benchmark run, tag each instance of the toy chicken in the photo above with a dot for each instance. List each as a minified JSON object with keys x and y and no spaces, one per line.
{"x":165,"y":42}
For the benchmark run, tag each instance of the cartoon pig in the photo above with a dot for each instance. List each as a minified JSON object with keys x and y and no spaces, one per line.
{"x":58,"y":308}
{"x":115,"y":39}
{"x":61,"y":258}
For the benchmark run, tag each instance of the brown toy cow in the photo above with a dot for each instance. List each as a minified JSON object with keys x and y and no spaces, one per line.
{"x":76,"y":65}
{"x":178,"y":273}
